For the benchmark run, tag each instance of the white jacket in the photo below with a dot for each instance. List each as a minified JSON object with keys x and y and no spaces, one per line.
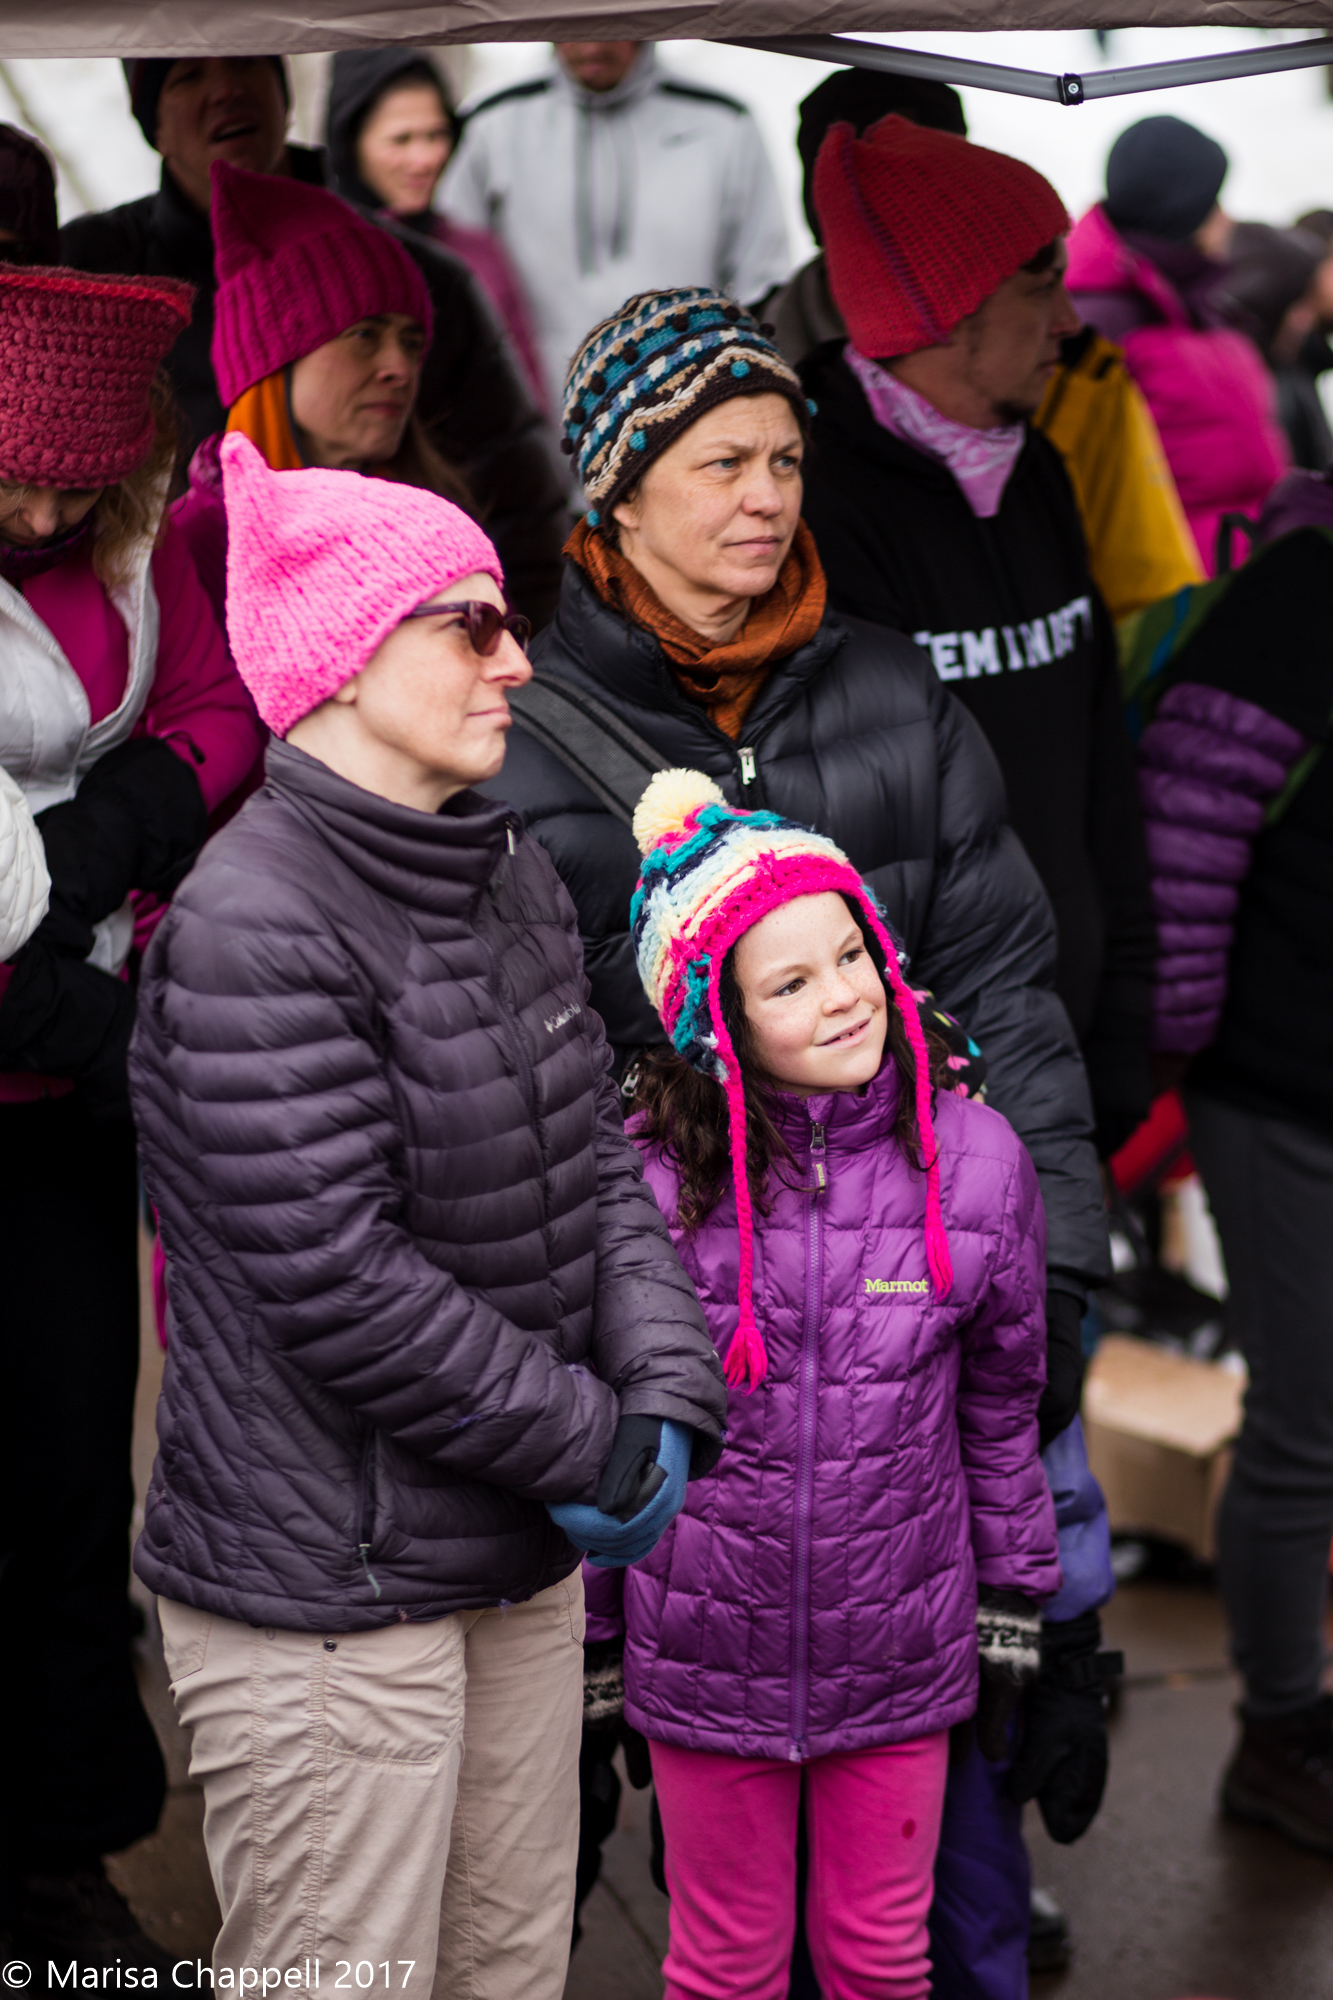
{"x":48,"y":740}
{"x":599,"y":195}
{"x":25,"y":886}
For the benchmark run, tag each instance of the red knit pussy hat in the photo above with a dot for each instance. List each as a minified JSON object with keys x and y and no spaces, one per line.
{"x":920,"y":227}
{"x":77,"y":359}
{"x":296,"y":266}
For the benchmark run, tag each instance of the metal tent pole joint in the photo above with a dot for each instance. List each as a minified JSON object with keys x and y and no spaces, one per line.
{"x":966,"y":72}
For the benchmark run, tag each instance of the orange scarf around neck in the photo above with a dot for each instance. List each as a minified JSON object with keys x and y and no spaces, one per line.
{"x":724,"y":680}
{"x":261,"y":413}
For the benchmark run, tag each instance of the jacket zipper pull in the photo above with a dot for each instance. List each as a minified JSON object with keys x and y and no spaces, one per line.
{"x":509,"y":836}
{"x":364,"y":1551}
{"x":817,"y":1158}
{"x":747,"y":766}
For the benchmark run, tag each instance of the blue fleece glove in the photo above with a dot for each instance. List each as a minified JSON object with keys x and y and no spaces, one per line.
{"x":612,"y":1544}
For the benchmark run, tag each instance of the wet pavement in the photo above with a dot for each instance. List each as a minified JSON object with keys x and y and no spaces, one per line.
{"x":1166,"y":1900}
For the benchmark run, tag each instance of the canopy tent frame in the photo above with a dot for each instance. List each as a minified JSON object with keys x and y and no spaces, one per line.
{"x":1070,"y":88}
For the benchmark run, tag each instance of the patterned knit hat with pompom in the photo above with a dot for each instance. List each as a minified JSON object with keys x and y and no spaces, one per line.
{"x":650,"y":371}
{"x":710,"y":872}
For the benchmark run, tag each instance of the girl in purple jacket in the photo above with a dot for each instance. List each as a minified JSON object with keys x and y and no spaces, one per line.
{"x":869,"y":1256}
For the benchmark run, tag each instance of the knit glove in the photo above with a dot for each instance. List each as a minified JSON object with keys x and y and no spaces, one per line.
{"x":1061,"y":1761}
{"x":1064,"y":1366}
{"x":62,"y":1017}
{"x":611,"y":1543}
{"x":137,"y":821}
{"x":1009,"y":1648}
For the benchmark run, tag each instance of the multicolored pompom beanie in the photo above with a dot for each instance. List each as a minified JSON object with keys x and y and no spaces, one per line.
{"x":644,"y":376}
{"x":710,"y":872}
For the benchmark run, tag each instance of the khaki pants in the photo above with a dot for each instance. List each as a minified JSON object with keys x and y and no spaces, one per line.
{"x":400,"y":1806}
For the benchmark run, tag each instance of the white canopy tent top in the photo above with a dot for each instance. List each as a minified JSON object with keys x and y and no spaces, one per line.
{"x":36,"y":28}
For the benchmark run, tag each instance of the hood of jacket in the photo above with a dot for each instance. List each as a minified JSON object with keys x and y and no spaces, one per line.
{"x":414,"y":1273}
{"x":820,"y":1593}
{"x":360,"y":78}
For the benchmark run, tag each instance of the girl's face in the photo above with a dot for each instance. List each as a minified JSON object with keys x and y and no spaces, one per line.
{"x":33,"y":514}
{"x":814,"y":1001}
{"x":352,"y":397}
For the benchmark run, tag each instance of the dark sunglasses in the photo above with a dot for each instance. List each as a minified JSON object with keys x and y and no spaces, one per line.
{"x":483,"y":621}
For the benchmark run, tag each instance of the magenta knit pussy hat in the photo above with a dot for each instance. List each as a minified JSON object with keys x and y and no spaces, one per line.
{"x":710,"y":872}
{"x":296,"y":266}
{"x":321,"y":566}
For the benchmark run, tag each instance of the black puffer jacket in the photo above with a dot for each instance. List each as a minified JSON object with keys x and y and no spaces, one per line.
{"x":854,"y":735}
{"x":402,"y":1222}
{"x":473,"y":400}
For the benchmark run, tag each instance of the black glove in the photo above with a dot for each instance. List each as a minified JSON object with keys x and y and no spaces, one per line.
{"x":1009,"y":1649}
{"x":631,"y":1475}
{"x":1064,"y":1366}
{"x":62,"y":1017}
{"x":1061,"y":1761}
{"x":1115,"y":1054}
{"x":137,"y":821}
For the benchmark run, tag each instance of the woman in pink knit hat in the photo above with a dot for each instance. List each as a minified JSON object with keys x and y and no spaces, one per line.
{"x":122,"y":725}
{"x":421,"y":1299}
{"x":321,"y":325}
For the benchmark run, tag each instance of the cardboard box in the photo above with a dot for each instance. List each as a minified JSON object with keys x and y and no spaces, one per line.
{"x":1159,"y":1427}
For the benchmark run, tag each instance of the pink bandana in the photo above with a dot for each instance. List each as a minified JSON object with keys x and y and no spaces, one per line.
{"x":980,"y":461}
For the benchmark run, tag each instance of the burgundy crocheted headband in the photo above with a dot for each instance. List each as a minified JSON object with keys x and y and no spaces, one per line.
{"x":77,"y":359}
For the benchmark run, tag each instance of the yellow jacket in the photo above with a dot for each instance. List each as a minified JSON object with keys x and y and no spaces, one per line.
{"x":1139,"y":542}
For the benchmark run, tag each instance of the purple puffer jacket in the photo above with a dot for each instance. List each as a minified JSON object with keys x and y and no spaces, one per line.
{"x":819,"y":1593}
{"x":1209,"y":763}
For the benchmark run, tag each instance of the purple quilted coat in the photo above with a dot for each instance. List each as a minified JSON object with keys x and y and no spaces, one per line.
{"x":819,"y":1593}
{"x":1209,"y":762}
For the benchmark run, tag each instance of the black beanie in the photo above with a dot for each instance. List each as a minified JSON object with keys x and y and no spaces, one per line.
{"x":146,"y":75}
{"x":1163,"y":177}
{"x":860,"y":98}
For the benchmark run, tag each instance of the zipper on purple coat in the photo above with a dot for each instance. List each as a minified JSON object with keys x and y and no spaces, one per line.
{"x":805,"y":1447}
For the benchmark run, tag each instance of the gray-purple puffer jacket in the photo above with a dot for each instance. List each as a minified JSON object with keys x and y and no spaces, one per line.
{"x":819,"y":1593}
{"x":414,"y":1273}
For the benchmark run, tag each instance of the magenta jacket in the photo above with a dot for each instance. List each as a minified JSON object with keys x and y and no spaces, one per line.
{"x":1212,"y":396}
{"x":819,"y":1592}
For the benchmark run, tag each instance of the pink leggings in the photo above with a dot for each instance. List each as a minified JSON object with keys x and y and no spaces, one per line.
{"x":873,"y":1818}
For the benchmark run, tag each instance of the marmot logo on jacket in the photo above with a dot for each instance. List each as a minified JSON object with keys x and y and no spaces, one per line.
{"x":966,"y":655}
{"x":877,"y":1286}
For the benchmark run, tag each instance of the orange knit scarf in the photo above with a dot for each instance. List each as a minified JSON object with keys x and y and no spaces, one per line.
{"x":261,"y":413}
{"x":724,"y":680}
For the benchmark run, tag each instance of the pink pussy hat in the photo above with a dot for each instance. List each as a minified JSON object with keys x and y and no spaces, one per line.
{"x":296,"y":266}
{"x":320,"y":568}
{"x":710,"y":872}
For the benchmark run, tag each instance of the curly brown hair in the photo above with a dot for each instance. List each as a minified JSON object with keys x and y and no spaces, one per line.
{"x":685,"y":1114}
{"x":131,"y":512}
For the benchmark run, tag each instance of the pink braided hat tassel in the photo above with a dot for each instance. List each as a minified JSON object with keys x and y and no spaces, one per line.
{"x":747,"y":1358}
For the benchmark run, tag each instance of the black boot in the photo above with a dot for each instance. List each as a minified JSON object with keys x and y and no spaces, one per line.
{"x":1050,"y":1947}
{"x":77,"y":1916}
{"x":1282,"y":1775}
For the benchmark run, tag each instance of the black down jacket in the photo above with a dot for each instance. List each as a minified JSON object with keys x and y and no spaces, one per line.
{"x":473,"y":400}
{"x":415,"y":1275}
{"x":853,"y":735}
